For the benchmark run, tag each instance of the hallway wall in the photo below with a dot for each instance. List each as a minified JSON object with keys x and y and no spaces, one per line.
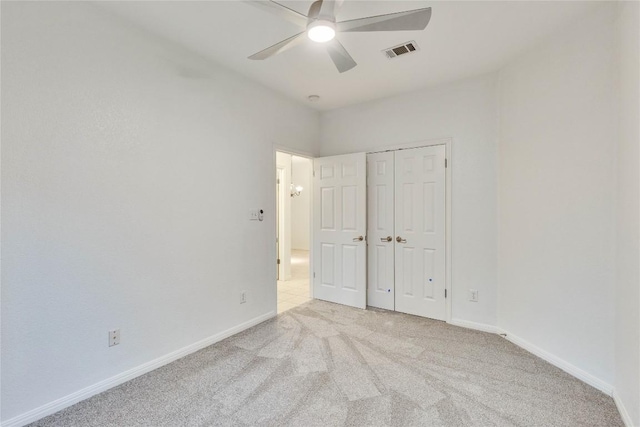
{"x":301,"y":205}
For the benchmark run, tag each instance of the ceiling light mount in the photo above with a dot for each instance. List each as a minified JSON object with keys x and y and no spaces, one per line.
{"x":321,"y":30}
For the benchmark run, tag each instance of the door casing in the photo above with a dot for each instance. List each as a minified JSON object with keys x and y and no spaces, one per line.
{"x":274,"y":256}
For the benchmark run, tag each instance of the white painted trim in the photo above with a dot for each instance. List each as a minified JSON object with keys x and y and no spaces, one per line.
{"x":293,"y":151}
{"x":87,"y":392}
{"x":416,"y":144}
{"x":448,"y":226}
{"x":624,"y":414}
{"x":280,"y":220}
{"x":311,"y":157}
{"x":474,"y":325}
{"x":561,"y":363}
{"x":556,"y":361}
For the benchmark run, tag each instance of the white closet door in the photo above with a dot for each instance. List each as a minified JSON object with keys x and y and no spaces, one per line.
{"x":420,"y":231}
{"x":339,"y":218}
{"x":380,"y":235}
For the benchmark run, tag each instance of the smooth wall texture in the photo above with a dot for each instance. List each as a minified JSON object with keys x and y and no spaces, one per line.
{"x":301,"y":205}
{"x":627,"y":302}
{"x":467,"y":112}
{"x":556,"y":204}
{"x":128,"y":172}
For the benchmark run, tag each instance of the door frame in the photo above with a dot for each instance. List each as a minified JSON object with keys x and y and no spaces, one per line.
{"x":274,"y":168}
{"x":448,"y":143}
{"x":280,"y":192}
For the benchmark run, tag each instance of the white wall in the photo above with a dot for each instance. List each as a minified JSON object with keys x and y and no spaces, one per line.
{"x":627,"y":303}
{"x":301,"y":205}
{"x":556,"y":204}
{"x":128,"y":169}
{"x":283,"y":163}
{"x":467,"y":112}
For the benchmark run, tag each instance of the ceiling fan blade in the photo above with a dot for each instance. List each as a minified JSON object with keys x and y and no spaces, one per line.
{"x":280,"y":47}
{"x":402,"y":21}
{"x":340,"y":57}
{"x":328,"y":9}
{"x":280,"y":10}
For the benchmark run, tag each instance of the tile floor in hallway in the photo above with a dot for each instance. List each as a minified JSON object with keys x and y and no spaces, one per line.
{"x":293,"y":292}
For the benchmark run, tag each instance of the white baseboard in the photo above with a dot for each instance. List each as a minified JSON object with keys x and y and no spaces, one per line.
{"x":475,"y":325}
{"x":626,"y":418}
{"x":556,"y":361}
{"x":87,"y":392}
{"x":561,"y":363}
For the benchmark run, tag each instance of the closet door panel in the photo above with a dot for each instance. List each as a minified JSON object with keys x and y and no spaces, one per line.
{"x":420,"y":231}
{"x":380,"y":235}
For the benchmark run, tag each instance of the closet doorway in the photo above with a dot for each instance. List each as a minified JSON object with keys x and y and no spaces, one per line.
{"x":406,"y":230}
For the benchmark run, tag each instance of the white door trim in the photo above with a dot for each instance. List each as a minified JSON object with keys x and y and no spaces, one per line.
{"x":279,"y":223}
{"x":306,"y":155}
{"x":448,"y":143}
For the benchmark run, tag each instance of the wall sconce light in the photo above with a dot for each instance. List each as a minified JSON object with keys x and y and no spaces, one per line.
{"x":295,"y":190}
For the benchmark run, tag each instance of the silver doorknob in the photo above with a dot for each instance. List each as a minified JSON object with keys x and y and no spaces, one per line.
{"x":401,"y":240}
{"x":358,"y":239}
{"x":386,"y":239}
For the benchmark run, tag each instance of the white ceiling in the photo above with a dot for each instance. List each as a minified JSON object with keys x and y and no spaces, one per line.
{"x":462,"y":39}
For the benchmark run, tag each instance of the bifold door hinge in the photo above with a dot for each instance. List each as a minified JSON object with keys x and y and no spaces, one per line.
{"x":278,"y":181}
{"x":314,"y":173}
{"x":314,"y":274}
{"x":445,"y":293}
{"x":278,"y":261}
{"x":446,"y":163}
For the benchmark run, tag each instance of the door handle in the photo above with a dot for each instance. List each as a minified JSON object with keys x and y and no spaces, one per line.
{"x":401,"y":240}
{"x":358,"y":239}
{"x":386,"y":239}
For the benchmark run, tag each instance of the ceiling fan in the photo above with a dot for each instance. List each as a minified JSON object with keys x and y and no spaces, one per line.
{"x":321,"y":27}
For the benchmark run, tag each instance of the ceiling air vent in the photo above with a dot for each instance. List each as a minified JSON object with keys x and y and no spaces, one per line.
{"x":402,"y":49}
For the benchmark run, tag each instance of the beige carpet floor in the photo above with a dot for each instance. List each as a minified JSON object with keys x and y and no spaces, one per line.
{"x":322,"y":364}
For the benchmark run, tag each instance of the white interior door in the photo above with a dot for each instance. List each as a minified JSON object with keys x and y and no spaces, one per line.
{"x":380,"y":226}
{"x":339,"y":217}
{"x":420,"y":231}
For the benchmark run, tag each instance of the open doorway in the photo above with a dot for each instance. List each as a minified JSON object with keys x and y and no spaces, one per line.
{"x":293,"y":185}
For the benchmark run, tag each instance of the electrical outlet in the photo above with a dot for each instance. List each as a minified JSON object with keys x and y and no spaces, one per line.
{"x":243,"y":297}
{"x":473,"y":295}
{"x":254,"y":215}
{"x":114,"y":337}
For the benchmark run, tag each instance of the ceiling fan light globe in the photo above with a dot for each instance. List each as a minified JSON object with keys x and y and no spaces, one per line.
{"x":321,"y":31}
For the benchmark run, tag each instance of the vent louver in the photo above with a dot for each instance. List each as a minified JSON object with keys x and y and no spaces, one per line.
{"x":402,"y":49}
